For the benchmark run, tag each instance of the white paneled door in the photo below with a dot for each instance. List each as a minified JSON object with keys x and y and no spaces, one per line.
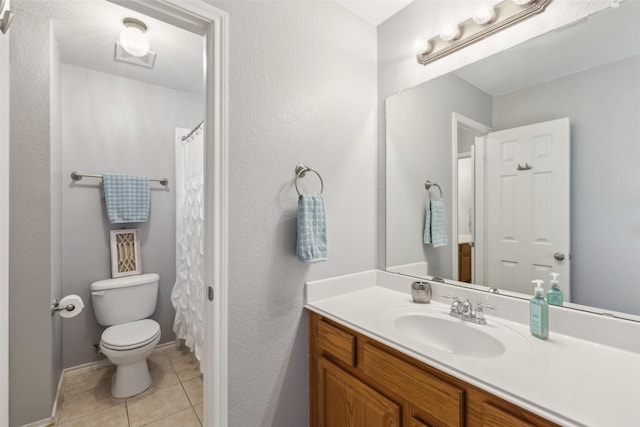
{"x":527,"y":206}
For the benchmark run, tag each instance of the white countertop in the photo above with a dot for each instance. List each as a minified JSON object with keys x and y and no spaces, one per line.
{"x":567,"y":380}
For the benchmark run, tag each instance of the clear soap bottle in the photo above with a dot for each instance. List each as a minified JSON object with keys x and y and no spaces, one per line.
{"x":554,"y":296}
{"x":539,"y":313}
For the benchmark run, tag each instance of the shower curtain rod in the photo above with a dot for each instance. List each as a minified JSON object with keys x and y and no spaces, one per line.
{"x":187,"y":136}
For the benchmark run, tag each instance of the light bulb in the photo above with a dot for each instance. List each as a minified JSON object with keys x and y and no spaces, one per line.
{"x":450,"y":32}
{"x":133,"y":38}
{"x":421,"y":46}
{"x":484,"y":15}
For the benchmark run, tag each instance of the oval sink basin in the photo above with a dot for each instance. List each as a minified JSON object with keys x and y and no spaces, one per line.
{"x":451,"y":335}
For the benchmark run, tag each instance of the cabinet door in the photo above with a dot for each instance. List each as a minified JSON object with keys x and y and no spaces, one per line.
{"x":344,"y":401}
{"x":493,"y":416}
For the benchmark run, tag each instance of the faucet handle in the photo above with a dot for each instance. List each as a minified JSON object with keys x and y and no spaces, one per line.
{"x":478,"y":314}
{"x":481,"y":305}
{"x":455,"y":305}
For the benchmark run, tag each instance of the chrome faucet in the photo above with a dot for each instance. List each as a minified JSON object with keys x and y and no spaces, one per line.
{"x":466,"y":311}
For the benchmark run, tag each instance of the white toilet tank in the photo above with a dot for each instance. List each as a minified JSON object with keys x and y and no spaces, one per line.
{"x":124,"y":299}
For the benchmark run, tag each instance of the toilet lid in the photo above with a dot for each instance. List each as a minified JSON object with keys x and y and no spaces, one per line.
{"x":130,"y":335}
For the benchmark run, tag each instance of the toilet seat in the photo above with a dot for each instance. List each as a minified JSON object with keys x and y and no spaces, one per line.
{"x":131,"y":335}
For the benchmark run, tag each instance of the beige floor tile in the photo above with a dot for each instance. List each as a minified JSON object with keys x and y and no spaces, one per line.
{"x":179,"y":353}
{"x":116,"y":416}
{"x":88,"y":380}
{"x":158,"y":358}
{"x":156,"y":405}
{"x":194,"y":389}
{"x":75,"y":405}
{"x":199,"y":408}
{"x":186,"y":368}
{"x":185,"y":418}
{"x":162,"y":376}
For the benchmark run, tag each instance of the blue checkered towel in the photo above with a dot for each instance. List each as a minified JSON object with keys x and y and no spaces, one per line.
{"x":312,"y":229}
{"x":126,"y":197}
{"x":435,"y":224}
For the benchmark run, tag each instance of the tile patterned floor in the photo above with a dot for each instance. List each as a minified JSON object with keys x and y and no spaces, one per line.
{"x":174,"y":398}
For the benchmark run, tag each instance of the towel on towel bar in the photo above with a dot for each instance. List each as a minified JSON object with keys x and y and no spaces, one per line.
{"x":312,"y":229}
{"x":435,"y":224}
{"x":126,"y":197}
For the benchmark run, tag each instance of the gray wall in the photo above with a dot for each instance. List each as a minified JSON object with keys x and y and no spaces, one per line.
{"x":114,"y":124}
{"x":419,"y":139}
{"x":56,"y":206}
{"x":603,"y":106}
{"x":31,"y":324}
{"x":302,"y":89}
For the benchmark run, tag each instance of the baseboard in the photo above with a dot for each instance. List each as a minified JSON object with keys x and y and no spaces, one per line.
{"x":47,"y":422}
{"x":57,"y":403}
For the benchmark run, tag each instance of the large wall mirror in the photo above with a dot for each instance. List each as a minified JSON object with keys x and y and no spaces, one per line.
{"x":536,"y":155}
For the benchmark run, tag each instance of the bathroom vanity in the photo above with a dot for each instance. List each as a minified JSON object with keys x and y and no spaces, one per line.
{"x":361,"y":380}
{"x":378,"y":359}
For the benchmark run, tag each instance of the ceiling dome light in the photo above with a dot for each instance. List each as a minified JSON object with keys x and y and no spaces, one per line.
{"x":485,"y":14}
{"x":522,"y":2}
{"x":450,"y":32}
{"x":133,"y":38}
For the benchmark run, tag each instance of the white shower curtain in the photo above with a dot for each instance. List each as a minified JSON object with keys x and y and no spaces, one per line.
{"x":187,"y":296}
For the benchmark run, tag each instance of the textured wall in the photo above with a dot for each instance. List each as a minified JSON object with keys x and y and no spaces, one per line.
{"x":30,"y":335}
{"x":604,"y":174}
{"x":302,"y":89}
{"x":398,"y":68}
{"x":4,"y":229}
{"x":419,"y":137}
{"x":55,"y":150}
{"x":114,"y":124}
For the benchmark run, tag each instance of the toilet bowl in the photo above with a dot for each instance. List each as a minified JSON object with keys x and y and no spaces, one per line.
{"x":127,"y":346}
{"x":123,"y":304}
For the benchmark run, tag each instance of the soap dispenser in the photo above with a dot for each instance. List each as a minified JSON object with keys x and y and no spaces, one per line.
{"x":554,"y":296}
{"x":539,"y":313}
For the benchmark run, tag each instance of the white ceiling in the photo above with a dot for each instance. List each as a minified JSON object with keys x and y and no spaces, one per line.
{"x":87,"y":34}
{"x":610,"y":35}
{"x":375,"y":11}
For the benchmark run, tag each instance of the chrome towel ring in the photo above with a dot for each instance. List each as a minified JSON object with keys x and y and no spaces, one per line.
{"x":428,"y":184}
{"x":301,"y":171}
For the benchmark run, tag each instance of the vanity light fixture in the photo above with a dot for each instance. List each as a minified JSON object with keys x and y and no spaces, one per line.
{"x":133,"y":38}
{"x":487,"y":20}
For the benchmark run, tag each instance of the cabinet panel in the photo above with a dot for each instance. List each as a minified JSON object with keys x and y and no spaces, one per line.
{"x":347,"y":402}
{"x":493,"y":416}
{"x":417,"y":423}
{"x":337,"y":342}
{"x":440,"y":400}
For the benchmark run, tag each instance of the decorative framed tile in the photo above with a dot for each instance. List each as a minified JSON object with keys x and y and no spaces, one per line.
{"x":126,"y":259}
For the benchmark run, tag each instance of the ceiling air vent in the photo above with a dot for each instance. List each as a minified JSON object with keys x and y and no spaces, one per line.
{"x":147,"y":60}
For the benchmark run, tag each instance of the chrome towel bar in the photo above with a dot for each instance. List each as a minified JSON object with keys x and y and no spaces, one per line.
{"x":77,"y":176}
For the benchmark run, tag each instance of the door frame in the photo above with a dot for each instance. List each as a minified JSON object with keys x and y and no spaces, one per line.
{"x":212,"y":23}
{"x":4,"y":228}
{"x":458,"y":120}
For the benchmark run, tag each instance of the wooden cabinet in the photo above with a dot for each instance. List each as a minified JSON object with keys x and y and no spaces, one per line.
{"x":358,"y":382}
{"x":346,"y":401}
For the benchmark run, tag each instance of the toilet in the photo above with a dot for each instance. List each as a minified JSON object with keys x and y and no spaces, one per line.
{"x":123,"y":305}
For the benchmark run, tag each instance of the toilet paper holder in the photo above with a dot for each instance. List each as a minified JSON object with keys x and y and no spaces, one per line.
{"x":55,"y":307}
